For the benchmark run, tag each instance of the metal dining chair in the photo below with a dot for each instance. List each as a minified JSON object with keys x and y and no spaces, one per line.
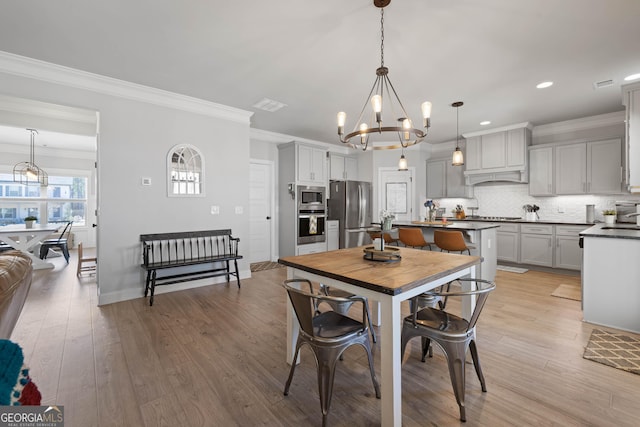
{"x":328,"y":334}
{"x":343,"y":307}
{"x":452,"y":333}
{"x":61,"y":242}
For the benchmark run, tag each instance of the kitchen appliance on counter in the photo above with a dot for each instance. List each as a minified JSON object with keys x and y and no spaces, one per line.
{"x":311,"y":214}
{"x":350,"y":203}
{"x":624,"y":209}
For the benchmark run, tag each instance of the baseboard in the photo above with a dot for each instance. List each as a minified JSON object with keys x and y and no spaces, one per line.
{"x":137,"y":291}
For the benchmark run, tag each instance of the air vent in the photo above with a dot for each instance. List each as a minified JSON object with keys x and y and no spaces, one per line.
{"x":603,"y":83}
{"x":270,"y":105}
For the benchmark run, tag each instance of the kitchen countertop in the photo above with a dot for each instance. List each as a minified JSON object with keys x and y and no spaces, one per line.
{"x":616,"y":231}
{"x":524,"y":221}
{"x":451,"y":225}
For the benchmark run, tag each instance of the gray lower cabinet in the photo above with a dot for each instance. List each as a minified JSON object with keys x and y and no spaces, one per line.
{"x":508,"y":241}
{"x":536,"y":245}
{"x":568,"y":253}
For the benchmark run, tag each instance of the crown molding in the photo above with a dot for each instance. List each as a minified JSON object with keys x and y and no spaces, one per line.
{"x":591,"y":122}
{"x":500,"y":129}
{"x":58,"y":74}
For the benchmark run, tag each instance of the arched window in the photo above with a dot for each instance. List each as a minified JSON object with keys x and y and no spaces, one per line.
{"x":185,"y":172}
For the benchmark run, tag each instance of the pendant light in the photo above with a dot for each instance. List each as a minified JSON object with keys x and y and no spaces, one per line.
{"x":458,"y":157}
{"x":29,"y":173}
{"x":402,"y":163}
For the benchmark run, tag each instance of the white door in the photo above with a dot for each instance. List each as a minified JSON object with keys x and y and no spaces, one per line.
{"x":261,"y":208}
{"x":396,"y":193}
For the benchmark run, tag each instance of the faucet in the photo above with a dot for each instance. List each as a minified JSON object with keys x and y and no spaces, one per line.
{"x":636,"y":214}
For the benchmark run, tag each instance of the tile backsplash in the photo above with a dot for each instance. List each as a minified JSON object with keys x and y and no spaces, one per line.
{"x":508,"y":199}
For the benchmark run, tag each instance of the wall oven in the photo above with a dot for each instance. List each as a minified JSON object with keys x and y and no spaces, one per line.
{"x":311,"y":214}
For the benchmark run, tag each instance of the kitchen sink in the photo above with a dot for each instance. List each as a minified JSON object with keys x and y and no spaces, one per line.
{"x":624,"y":227}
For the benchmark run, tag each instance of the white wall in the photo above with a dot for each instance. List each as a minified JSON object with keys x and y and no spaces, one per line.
{"x":138,"y":126}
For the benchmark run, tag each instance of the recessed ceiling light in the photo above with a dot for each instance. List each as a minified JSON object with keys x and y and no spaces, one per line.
{"x":270,"y":105}
{"x":544,"y":85}
{"x":632,"y":77}
{"x":486,"y":122}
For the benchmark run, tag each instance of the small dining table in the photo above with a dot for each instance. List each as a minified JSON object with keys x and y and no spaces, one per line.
{"x":19,"y":237}
{"x":389,"y":283}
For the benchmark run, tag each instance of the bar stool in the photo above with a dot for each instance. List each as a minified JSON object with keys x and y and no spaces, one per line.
{"x":413,"y":238}
{"x":450,"y":241}
{"x":388,"y":240}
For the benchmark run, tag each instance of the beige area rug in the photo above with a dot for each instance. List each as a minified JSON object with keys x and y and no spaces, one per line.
{"x":568,"y":291}
{"x":617,"y":350}
{"x":266,"y":265}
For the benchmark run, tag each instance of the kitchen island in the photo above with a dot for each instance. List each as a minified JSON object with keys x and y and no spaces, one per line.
{"x":480,"y":238}
{"x":611,"y":276}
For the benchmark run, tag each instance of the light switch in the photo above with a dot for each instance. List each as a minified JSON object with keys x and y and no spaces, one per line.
{"x":215,"y":210}
{"x":146,"y":181}
{"x":239,"y":210}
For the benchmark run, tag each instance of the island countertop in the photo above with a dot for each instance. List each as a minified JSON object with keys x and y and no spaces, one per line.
{"x":616,"y":231}
{"x":449,"y":225}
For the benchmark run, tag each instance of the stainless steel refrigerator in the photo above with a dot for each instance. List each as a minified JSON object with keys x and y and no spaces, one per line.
{"x":350,"y":203}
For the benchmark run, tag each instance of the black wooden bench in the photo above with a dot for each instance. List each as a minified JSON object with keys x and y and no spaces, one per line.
{"x":171,"y":250}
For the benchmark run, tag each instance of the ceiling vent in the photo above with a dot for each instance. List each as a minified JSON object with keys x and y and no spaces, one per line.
{"x":270,"y":105}
{"x":603,"y":83}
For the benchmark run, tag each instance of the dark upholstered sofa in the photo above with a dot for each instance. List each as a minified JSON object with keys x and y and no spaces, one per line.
{"x":15,"y":281}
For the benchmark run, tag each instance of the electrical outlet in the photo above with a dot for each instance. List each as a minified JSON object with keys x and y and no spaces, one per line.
{"x":215,"y":210}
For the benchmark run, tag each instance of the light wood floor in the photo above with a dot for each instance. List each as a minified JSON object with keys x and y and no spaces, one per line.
{"x":215,"y":356}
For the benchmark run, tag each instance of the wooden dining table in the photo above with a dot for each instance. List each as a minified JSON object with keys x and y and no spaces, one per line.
{"x":25,"y":239}
{"x":389,"y":283}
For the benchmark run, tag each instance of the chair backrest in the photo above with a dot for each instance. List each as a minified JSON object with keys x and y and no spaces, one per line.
{"x":479,"y":288}
{"x":411,"y":237}
{"x":449,"y":240}
{"x":386,"y":236}
{"x":67,"y":228}
{"x":305,"y":303}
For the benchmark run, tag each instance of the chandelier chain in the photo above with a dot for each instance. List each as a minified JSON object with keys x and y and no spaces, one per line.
{"x":381,"y":37}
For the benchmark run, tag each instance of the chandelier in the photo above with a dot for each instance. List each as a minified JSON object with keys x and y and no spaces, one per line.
{"x":384,"y":99}
{"x":29,"y":173}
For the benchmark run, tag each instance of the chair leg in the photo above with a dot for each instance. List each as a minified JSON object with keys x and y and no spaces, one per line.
{"x":326,"y":374}
{"x":455,"y":353}
{"x":476,"y":364}
{"x":426,"y":348}
{"x":293,"y":368}
{"x":373,"y":332}
{"x":376,"y":386}
{"x":43,"y":251}
{"x":65,"y":252}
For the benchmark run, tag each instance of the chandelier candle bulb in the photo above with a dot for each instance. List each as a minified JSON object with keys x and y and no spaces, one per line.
{"x":342,"y":117}
{"x":426,"y":113}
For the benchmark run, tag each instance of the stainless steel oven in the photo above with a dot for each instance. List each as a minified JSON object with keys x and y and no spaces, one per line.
{"x":311,"y":225}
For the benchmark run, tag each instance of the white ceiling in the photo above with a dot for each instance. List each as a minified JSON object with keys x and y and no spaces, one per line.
{"x":320,"y":57}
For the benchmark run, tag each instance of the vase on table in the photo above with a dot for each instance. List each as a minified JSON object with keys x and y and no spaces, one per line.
{"x":431,"y":215}
{"x":609,"y":219}
{"x":386,"y":224}
{"x":29,"y":223}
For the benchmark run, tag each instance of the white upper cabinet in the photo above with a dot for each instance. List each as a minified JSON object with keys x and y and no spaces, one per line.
{"x":446,"y":180}
{"x":541,"y":171}
{"x":582,"y":168}
{"x":498,"y":155}
{"x":311,"y":165}
{"x":589,"y":168}
{"x":342,"y":168}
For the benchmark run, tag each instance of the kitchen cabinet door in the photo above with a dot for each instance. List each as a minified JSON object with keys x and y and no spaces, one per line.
{"x":568,"y":253}
{"x":517,"y":147}
{"x":436,"y":179}
{"x":571,"y":169}
{"x":541,"y":171}
{"x":456,"y":186}
{"x":311,"y":165}
{"x":472,"y":156}
{"x":494,"y":150}
{"x":536,"y":249}
{"x":343,"y":167}
{"x":604,"y":167}
{"x":508,"y":246}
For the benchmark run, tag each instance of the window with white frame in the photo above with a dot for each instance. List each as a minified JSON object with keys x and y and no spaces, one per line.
{"x":185,"y":172}
{"x":65,"y":199}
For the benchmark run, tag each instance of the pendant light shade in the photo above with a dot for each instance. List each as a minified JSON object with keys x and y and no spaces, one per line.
{"x":402,"y":163}
{"x":28,"y":173}
{"x":458,"y":157}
